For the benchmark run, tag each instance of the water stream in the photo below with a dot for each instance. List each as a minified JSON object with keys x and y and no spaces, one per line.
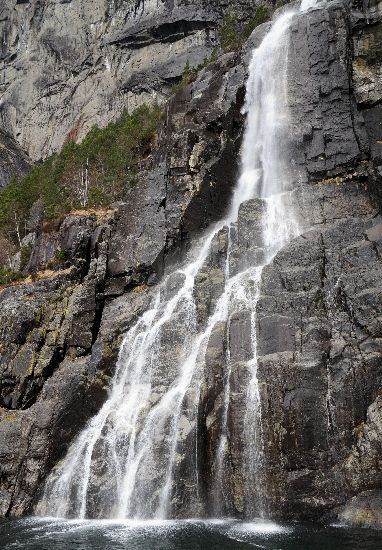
{"x":126,"y":461}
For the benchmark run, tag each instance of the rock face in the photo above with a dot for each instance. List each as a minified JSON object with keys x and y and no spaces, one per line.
{"x":71,"y":64}
{"x":364,"y":510}
{"x":319,"y":324}
{"x":69,"y":334}
{"x":13,"y":161}
{"x":191,"y":183}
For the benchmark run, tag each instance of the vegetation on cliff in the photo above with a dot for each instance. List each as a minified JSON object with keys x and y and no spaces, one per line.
{"x":232,"y":34}
{"x":93,"y":173}
{"x":190,"y":73}
{"x":231,"y":37}
{"x":8,"y":276}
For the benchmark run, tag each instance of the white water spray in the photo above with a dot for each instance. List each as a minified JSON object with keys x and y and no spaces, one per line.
{"x":124,"y":462}
{"x":309,"y":4}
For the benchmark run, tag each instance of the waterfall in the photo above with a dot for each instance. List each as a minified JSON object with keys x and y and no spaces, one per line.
{"x":126,"y":461}
{"x":308,"y":4}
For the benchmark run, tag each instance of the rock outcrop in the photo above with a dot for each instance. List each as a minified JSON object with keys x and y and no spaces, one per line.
{"x":319,"y":325}
{"x":364,"y":510}
{"x":318,"y":314}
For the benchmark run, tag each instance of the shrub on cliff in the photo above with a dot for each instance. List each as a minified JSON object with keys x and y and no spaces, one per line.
{"x":93,"y":173}
{"x":7,"y":276}
{"x":190,"y":74}
{"x":232,"y":34}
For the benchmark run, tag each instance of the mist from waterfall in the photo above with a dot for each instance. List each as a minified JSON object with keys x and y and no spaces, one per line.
{"x":126,"y":460}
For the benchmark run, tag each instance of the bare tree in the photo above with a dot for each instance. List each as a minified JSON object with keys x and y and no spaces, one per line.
{"x":7,"y":250}
{"x":84,"y":184}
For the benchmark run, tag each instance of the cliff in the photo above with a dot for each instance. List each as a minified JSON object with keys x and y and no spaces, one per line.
{"x":14,"y":163}
{"x":68,"y":65}
{"x":318,"y":326}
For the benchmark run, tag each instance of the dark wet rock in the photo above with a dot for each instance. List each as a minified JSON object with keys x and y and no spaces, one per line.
{"x":319,"y":326}
{"x":247,"y":249}
{"x":210,"y":280}
{"x":364,"y":510}
{"x":53,"y":371}
{"x":80,"y":315}
{"x":192,"y":176}
{"x":319,"y":363}
{"x":333,"y":139}
{"x":34,"y":440}
{"x":55,"y":315}
{"x":211,"y":409}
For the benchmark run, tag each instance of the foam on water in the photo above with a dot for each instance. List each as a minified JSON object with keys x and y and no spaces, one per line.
{"x":261,"y":527}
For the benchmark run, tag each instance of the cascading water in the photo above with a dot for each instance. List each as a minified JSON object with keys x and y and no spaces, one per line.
{"x":308,"y":4}
{"x":124,"y":463}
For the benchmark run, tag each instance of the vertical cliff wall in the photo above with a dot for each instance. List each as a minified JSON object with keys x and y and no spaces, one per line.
{"x":67,"y":65}
{"x":318,"y":328}
{"x":319,"y":325}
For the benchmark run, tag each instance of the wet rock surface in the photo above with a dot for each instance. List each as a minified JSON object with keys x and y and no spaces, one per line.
{"x":364,"y":510}
{"x":320,"y":365}
{"x":319,"y":321}
{"x":192,"y":176}
{"x":104,"y":267}
{"x":318,"y":328}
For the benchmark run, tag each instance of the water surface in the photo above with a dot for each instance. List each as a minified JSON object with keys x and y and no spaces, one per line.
{"x":53,"y":534}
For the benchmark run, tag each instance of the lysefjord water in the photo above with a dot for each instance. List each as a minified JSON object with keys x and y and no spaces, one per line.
{"x":49,"y":534}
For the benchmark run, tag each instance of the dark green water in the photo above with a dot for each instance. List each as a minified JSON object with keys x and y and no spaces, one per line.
{"x":35,"y":534}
